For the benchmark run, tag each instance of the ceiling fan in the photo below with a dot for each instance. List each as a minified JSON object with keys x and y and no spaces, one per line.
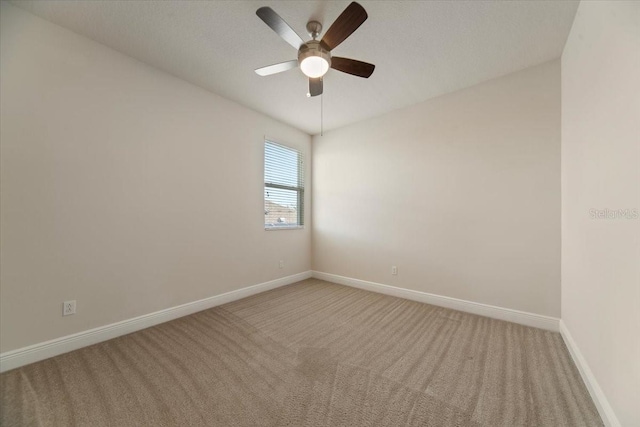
{"x":314,"y":57}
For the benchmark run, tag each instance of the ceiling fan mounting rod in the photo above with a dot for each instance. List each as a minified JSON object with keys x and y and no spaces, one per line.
{"x":314,"y":28}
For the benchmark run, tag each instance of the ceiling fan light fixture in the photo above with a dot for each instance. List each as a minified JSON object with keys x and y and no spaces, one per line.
{"x":314,"y":66}
{"x":314,"y":56}
{"x":314,"y":61}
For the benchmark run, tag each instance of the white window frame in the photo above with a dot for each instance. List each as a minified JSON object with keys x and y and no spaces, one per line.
{"x":299,"y":189}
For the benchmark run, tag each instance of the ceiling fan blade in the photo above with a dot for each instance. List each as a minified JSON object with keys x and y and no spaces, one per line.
{"x":315,"y":86}
{"x":276,"y":68}
{"x":277,"y":24}
{"x":351,"y":66}
{"x":348,"y":21}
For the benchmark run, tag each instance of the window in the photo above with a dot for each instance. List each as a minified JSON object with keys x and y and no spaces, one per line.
{"x":283,"y":187}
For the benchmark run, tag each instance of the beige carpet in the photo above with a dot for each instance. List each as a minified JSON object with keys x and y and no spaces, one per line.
{"x":309,"y":354}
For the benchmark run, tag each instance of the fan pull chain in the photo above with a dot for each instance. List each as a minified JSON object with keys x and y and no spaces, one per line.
{"x":321,"y":113}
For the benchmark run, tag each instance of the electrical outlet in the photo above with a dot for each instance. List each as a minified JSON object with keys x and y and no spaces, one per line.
{"x":281,"y":264}
{"x":394,"y":270}
{"x":69,"y":308}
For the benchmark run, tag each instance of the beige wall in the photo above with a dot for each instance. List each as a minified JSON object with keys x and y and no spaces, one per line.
{"x":461,"y":193}
{"x":601,"y":170}
{"x":122,"y":187}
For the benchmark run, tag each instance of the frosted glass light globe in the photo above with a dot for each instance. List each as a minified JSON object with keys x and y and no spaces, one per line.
{"x":314,"y":66}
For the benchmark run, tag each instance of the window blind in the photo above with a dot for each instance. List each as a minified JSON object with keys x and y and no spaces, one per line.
{"x":283,"y":187}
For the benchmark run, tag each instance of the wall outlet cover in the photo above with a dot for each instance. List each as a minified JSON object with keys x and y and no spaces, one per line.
{"x":69,"y":308}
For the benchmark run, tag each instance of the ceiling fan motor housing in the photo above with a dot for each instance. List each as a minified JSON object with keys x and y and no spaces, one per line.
{"x":313,"y":48}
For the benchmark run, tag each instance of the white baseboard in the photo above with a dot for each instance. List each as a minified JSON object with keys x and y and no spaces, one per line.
{"x":516,"y":316}
{"x":599,"y":399}
{"x":33,"y":353}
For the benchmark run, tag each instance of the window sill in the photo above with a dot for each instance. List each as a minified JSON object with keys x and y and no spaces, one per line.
{"x":293,"y":227}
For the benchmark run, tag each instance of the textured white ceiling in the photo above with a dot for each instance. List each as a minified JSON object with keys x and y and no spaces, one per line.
{"x":421,"y":49}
